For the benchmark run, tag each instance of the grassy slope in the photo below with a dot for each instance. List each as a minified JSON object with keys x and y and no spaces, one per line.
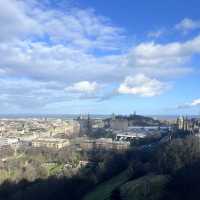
{"x":148,"y":187}
{"x":103,"y":191}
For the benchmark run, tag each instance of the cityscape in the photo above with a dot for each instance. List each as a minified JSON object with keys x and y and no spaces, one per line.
{"x":83,"y":134}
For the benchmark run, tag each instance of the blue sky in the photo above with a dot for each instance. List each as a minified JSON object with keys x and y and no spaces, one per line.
{"x":99,"y":57}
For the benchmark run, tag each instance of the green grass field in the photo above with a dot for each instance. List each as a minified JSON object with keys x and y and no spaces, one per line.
{"x":148,"y":187}
{"x":103,"y":191}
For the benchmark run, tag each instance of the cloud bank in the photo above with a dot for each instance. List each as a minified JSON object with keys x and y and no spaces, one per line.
{"x":51,"y":55}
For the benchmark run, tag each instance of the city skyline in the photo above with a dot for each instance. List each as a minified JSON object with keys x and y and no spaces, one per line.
{"x":59,"y":57}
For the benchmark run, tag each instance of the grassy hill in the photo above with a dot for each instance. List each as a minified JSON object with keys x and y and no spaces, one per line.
{"x":148,"y":187}
{"x":104,"y":190}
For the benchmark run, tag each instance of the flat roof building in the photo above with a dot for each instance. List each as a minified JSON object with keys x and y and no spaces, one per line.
{"x":50,"y":143}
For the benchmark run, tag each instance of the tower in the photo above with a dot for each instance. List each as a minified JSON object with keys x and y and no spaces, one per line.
{"x":180,"y":122}
{"x":185,"y":124}
{"x":113,"y":116}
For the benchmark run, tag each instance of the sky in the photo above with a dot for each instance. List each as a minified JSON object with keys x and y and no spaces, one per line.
{"x":100,"y":57}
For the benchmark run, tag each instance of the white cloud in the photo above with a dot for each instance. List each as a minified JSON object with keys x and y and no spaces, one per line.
{"x":164,"y":58}
{"x":194,"y":103}
{"x":188,"y":24}
{"x":63,"y":45}
{"x":27,"y":94}
{"x":83,"y":87}
{"x":15,"y":22}
{"x":142,"y":85}
{"x":156,"y":34}
{"x":73,"y":26}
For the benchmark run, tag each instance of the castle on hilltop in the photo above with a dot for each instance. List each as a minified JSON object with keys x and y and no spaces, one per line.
{"x":191,"y":125}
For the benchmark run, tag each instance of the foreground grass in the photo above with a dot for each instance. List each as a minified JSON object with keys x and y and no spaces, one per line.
{"x":148,"y":187}
{"x":104,"y":190}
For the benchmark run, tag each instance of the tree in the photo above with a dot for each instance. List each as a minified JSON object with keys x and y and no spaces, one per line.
{"x":116,"y":194}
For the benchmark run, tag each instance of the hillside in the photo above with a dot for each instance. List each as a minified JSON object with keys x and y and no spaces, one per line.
{"x":104,"y":190}
{"x":150,"y":186}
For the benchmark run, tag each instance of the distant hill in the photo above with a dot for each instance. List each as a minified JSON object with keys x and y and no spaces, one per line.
{"x":139,"y":120}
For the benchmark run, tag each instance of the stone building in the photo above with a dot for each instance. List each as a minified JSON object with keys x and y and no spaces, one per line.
{"x":85,"y":124}
{"x":55,"y":143}
{"x":119,"y":124}
{"x":70,"y":128}
{"x":104,"y":143}
{"x":191,"y":125}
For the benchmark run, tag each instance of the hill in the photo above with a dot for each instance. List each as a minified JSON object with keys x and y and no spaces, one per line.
{"x":139,"y":120}
{"x":104,"y":190}
{"x":147,"y":187}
